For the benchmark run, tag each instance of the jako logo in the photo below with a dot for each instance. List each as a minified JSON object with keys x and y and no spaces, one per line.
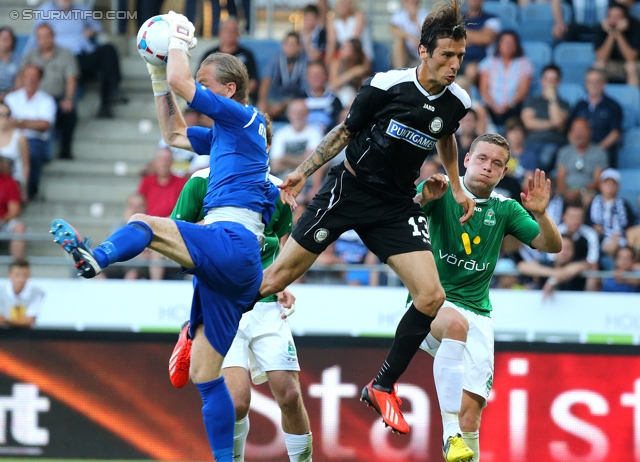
{"x":428,"y":107}
{"x":413,"y":136}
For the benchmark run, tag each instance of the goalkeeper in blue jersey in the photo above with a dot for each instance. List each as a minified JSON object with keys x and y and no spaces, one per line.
{"x":466,"y":256}
{"x":224,"y":255}
{"x":263,"y":345}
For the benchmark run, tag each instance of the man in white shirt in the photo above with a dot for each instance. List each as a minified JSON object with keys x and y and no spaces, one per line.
{"x":34,"y":112}
{"x":20,"y":300}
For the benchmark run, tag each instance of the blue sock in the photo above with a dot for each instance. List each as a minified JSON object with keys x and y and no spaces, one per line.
{"x":219,"y":418}
{"x":126,"y":243}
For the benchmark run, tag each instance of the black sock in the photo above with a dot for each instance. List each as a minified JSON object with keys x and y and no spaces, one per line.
{"x":412,"y":330}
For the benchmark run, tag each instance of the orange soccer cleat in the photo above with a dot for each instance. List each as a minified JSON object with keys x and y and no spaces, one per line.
{"x":181,"y":358}
{"x":387,"y":405}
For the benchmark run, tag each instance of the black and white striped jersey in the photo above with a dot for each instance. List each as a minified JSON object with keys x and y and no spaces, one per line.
{"x":398,"y":123}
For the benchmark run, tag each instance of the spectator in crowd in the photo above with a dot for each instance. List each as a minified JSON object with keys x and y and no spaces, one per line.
{"x":9,"y":61}
{"x":34,"y":112}
{"x":292,"y":144}
{"x":580,"y":164}
{"x":324,"y":106}
{"x":232,"y":10}
{"x":430,"y":166}
{"x":15,"y":149}
{"x":351,"y":250}
{"x":484,"y":122}
{"x":585,"y":239}
{"x":59,"y":80}
{"x":624,"y":258}
{"x":406,"y":27}
{"x":610,"y":215}
{"x":349,"y":70}
{"x":467,"y":132}
{"x":20,"y":300}
{"x":313,"y":34}
{"x":482,"y":30}
{"x":284,"y":79}
{"x":603,"y":113}
{"x":545,"y":117}
{"x":160,"y":190}
{"x":136,"y":203}
{"x":505,"y":79}
{"x":503,"y":277}
{"x":230,"y":43}
{"x":522,"y":163}
{"x":587,"y":14}
{"x":10,"y":210}
{"x":617,"y":46}
{"x":347,"y":22}
{"x":77,"y":33}
{"x":562,"y":273}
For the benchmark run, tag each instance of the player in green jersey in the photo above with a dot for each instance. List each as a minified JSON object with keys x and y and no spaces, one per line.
{"x":466,"y":255}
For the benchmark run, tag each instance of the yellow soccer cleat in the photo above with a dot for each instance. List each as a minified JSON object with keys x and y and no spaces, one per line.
{"x":456,"y":450}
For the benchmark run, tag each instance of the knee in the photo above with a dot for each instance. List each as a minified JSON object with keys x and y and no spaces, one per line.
{"x":430,"y":301}
{"x":457,"y":328}
{"x":139,"y":217}
{"x":241,"y":403}
{"x":20,"y":228}
{"x":289,"y":399}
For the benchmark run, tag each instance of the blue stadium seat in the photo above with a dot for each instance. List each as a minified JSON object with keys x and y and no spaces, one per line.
{"x":632,"y":137}
{"x":263,"y":50}
{"x":630,"y":186}
{"x":541,"y":13}
{"x":539,"y":53}
{"x":629,"y":157}
{"x":571,"y":92}
{"x":629,"y":98}
{"x":574,"y":58}
{"x":507,"y":12}
{"x":635,"y":10}
{"x":381,"y":57}
{"x":21,"y":41}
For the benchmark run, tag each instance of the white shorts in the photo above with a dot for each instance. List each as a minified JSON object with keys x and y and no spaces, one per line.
{"x":478,"y":352}
{"x":263,"y":343}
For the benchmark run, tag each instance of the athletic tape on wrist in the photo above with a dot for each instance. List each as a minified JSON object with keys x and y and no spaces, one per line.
{"x":160,"y":87}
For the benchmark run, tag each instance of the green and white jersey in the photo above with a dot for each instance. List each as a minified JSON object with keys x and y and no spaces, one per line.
{"x":190,"y":208}
{"x":466,"y":255}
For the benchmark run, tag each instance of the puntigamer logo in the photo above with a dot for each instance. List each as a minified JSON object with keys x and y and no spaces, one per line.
{"x":413,"y":136}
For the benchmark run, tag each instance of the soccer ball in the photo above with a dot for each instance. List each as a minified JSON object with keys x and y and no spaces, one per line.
{"x":153,"y":40}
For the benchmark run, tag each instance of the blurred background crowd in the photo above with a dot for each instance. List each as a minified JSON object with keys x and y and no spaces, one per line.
{"x":559,"y":79}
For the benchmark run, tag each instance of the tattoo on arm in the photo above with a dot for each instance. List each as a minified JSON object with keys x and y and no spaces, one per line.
{"x":330,"y":146}
{"x":170,"y":107}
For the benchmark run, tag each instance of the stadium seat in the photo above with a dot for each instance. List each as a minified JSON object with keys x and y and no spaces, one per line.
{"x":635,"y":10}
{"x":532,"y":32}
{"x":632,"y":137}
{"x":539,"y":53}
{"x":630,"y":186}
{"x":629,"y":157}
{"x":574,"y":58}
{"x":571,"y":92}
{"x":629,"y":98}
{"x":381,"y":57}
{"x":21,"y":41}
{"x":507,"y":12}
{"x":540,"y":12}
{"x":263,"y":50}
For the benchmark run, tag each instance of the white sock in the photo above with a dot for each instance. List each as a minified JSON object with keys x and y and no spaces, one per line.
{"x":432,"y":343}
{"x":472,"y":439}
{"x":299,"y":447}
{"x":240,"y":433}
{"x":448,"y":372}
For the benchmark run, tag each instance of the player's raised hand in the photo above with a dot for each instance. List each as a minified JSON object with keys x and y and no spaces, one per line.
{"x":291,"y":187}
{"x":288,"y":302}
{"x":537,"y":197}
{"x":468,"y":204}
{"x":182,"y":32}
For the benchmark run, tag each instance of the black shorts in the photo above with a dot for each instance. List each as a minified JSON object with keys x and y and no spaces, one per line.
{"x":387,"y":226}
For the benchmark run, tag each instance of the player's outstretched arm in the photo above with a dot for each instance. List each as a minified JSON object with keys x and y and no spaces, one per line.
{"x":448,"y":152}
{"x":178,"y":69}
{"x":331,"y":145}
{"x":536,"y":201}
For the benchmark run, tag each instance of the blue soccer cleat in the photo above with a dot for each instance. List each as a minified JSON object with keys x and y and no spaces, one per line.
{"x":69,"y":239}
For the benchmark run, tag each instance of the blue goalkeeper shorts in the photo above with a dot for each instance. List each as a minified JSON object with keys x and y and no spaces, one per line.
{"x":228,"y":274}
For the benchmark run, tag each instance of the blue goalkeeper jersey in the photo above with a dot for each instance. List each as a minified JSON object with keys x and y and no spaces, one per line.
{"x":237,"y":145}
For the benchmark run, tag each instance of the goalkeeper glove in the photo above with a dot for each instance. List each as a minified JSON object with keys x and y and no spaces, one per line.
{"x":182,"y":32}
{"x":158,"y":79}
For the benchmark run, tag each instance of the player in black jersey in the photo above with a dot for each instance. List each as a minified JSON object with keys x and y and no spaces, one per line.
{"x":395,"y":120}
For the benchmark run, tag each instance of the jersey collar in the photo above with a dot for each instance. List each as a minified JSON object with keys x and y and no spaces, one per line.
{"x":422,"y":90}
{"x":479,"y":200}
